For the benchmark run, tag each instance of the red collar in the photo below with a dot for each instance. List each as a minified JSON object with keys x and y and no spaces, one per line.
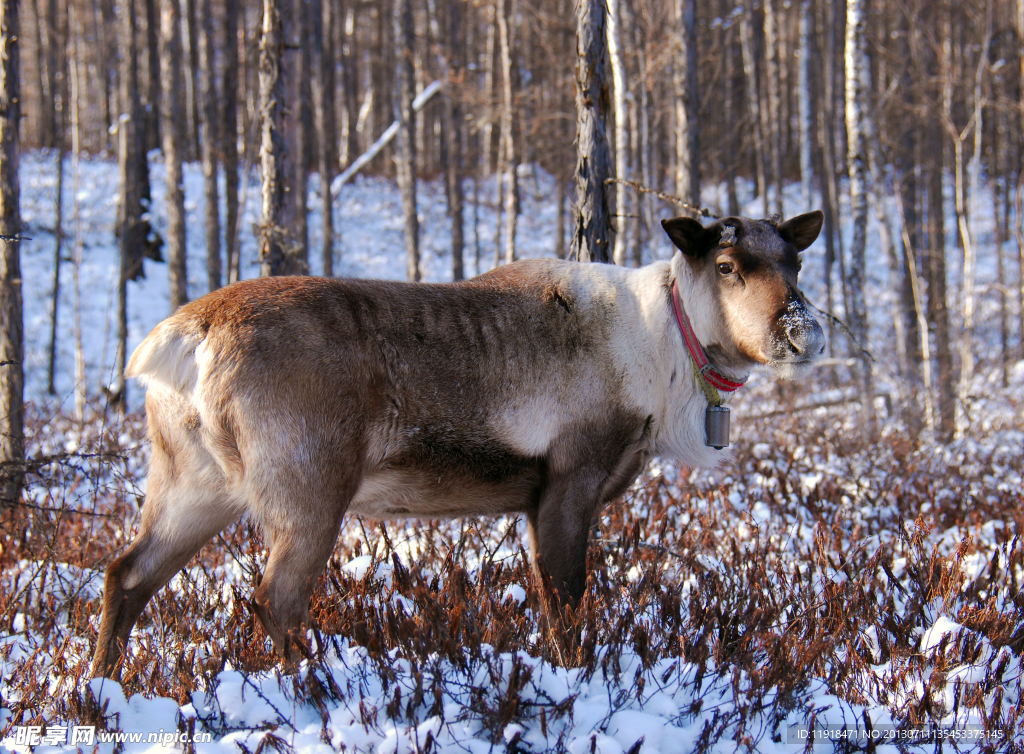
{"x":693,"y":345}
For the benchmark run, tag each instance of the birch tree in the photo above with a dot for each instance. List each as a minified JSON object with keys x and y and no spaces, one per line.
{"x":295,"y":213}
{"x":773,"y":112}
{"x":967,"y":220}
{"x":12,"y":347}
{"x":592,"y":234}
{"x":229,"y":136}
{"x":804,"y":103}
{"x":323,"y":119}
{"x":857,"y":89}
{"x":619,"y":89}
{"x":404,"y":37}
{"x":684,"y":78}
{"x":272,"y":239}
{"x":753,"y":107}
{"x":449,"y":57}
{"x":130,"y":158}
{"x":171,"y":132}
{"x":76,"y":65}
{"x":938,"y":307}
{"x":208,"y":142}
{"x":510,"y":155}
{"x":1019,"y":199}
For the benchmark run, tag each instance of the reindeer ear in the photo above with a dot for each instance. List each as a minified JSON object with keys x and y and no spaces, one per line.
{"x":690,"y":237}
{"x":802,"y":229}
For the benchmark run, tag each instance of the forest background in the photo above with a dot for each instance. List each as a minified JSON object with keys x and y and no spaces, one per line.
{"x":880,"y":499}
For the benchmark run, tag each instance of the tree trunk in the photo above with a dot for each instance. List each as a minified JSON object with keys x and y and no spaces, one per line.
{"x":12,"y":347}
{"x":560,"y":218}
{"x":510,"y":158}
{"x":621,"y":129}
{"x":350,"y":135}
{"x":58,"y":238}
{"x":274,"y":242}
{"x":644,"y":160}
{"x":684,"y":79}
{"x":208,"y":142}
{"x":322,"y":83}
{"x":857,"y":127}
{"x":229,"y":135}
{"x":730,"y":147}
{"x":938,"y":311}
{"x":968,"y":222}
{"x":879,"y":195}
{"x":804,"y":100}
{"x":171,"y":130}
{"x":1019,"y":195}
{"x":77,"y":63}
{"x":773,"y":133}
{"x":905,"y":172}
{"x":190,"y":51}
{"x":294,"y":218}
{"x":130,"y":225}
{"x":404,"y":38}
{"x":152,"y":105}
{"x":486,"y":130}
{"x":827,"y":162}
{"x":44,"y":79}
{"x":1000,"y":196}
{"x":753,"y":106}
{"x":592,"y":234}
{"x":450,"y":66}
{"x":455,"y":116}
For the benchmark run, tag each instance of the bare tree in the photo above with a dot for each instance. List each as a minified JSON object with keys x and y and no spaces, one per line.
{"x":753,"y":106}
{"x":857,"y":91}
{"x":510,"y":155}
{"x":274,"y":243}
{"x":455,"y":122}
{"x":208,"y":142}
{"x":229,"y":135}
{"x":592,"y":234}
{"x":406,"y":158}
{"x":967,"y":218}
{"x":12,"y":347}
{"x":804,"y":101}
{"x":76,"y":64}
{"x":323,"y":117}
{"x":151,"y":105}
{"x":296,"y":121}
{"x":449,"y":59}
{"x":938,"y":307}
{"x":614,"y":30}
{"x":171,"y":133}
{"x":130,"y":159}
{"x":58,"y":244}
{"x":773,"y":134}
{"x":684,"y":78}
{"x":1019,"y":197}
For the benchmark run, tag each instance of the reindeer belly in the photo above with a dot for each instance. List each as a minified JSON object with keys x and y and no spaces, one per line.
{"x":400,"y":491}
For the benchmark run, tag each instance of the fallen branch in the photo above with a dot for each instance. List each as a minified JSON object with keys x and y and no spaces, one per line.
{"x":417,"y":105}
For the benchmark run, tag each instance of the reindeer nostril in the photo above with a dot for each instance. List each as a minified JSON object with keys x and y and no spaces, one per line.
{"x":797,"y":339}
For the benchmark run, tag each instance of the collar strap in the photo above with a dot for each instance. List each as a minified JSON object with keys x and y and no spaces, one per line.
{"x":700,"y":359}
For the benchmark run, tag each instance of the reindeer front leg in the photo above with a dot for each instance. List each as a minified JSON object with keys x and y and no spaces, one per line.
{"x":558,"y":528}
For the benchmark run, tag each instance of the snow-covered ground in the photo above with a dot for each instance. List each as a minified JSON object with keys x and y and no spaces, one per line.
{"x":629,"y":705}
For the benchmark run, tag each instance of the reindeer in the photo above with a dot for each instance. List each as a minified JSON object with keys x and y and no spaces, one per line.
{"x":540,"y":388}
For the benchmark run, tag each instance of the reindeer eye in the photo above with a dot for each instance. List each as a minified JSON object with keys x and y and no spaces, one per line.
{"x":725,"y":268}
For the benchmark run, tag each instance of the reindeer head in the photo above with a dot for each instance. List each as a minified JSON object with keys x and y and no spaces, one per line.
{"x":738,"y":282}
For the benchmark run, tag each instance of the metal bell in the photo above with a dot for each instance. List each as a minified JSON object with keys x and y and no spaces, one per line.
{"x":716,"y":425}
